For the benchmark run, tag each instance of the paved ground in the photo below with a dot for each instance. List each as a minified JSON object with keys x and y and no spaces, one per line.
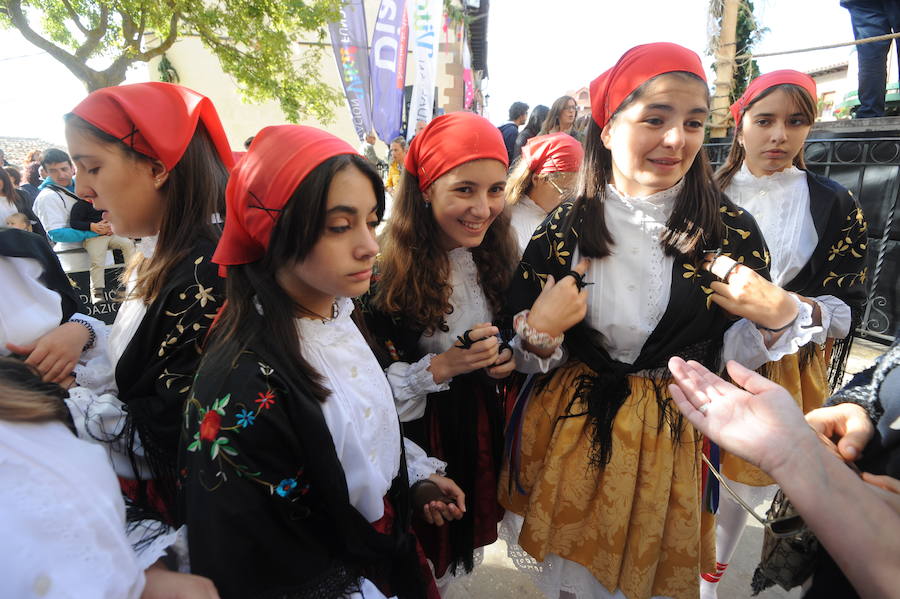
{"x":498,"y":578}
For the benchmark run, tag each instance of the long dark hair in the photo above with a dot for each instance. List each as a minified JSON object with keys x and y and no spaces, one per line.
{"x":415,"y":272}
{"x":552,"y":119}
{"x":257,"y":309}
{"x":736,"y":153}
{"x":538,"y":115}
{"x":694,"y":224}
{"x":194,"y":193}
{"x":25,"y":397}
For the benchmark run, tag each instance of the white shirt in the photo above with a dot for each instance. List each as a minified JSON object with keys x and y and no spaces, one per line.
{"x":632,"y":287}
{"x":30,"y":309}
{"x":780,"y":204}
{"x":62,"y":518}
{"x":411,"y":383}
{"x":52,"y":208}
{"x":525,"y":216}
{"x":360,"y":411}
{"x":7,"y":209}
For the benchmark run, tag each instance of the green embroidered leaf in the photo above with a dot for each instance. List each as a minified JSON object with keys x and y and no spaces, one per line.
{"x":214,"y":451}
{"x":230,"y":450}
{"x":194,"y":446}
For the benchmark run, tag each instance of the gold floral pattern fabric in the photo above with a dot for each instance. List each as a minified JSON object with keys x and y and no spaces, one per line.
{"x":634,"y":524}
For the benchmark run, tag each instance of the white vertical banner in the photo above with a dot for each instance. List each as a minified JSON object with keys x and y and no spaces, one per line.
{"x":425,"y":25}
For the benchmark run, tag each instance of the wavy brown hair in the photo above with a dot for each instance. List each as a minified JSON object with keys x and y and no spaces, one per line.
{"x":414,"y":278}
{"x":192,"y":195}
{"x":694,"y":224}
{"x":552,"y":119}
{"x":736,"y":153}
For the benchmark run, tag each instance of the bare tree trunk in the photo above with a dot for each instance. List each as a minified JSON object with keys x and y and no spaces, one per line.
{"x":725,"y":52}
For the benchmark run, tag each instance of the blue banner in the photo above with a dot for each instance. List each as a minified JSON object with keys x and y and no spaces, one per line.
{"x":350,"y":44}
{"x":388,"y":67}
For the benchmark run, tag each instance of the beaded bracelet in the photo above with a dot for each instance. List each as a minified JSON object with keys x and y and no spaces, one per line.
{"x":537,"y":339}
{"x":92,"y":335}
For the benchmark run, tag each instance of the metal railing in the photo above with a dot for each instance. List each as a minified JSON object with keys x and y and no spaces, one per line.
{"x":848,"y":160}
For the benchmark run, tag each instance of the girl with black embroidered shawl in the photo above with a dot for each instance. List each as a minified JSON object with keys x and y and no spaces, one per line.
{"x":295,"y":482}
{"x":448,"y":256}
{"x":603,"y":488}
{"x":817,"y":235}
{"x":154,"y":157}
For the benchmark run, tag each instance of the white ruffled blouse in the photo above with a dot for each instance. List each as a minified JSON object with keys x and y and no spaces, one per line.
{"x":780,"y":204}
{"x":631,"y":291}
{"x":412,"y":382}
{"x":525,"y":216}
{"x":360,"y":411}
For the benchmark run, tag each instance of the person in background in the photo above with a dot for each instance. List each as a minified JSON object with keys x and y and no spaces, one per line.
{"x":562,"y":117}
{"x":16,"y":177}
{"x":3,"y":161}
{"x":518,"y":112}
{"x":531,"y":128}
{"x":33,"y":156}
{"x":19,"y":221}
{"x":398,"y":154}
{"x":856,"y":519}
{"x":543,"y":177}
{"x":54,"y":203}
{"x":871,"y":18}
{"x":84,"y":217}
{"x":367,"y":149}
{"x":32,"y":180}
{"x":13,"y":201}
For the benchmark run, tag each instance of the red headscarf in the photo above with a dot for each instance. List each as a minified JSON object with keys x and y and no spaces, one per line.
{"x":451,"y":140}
{"x":636,"y":66}
{"x":764,"y":82}
{"x":263,"y":181}
{"x":155,"y":119}
{"x":553,"y":153}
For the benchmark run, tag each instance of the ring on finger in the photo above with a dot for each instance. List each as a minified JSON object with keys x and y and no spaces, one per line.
{"x":703,"y":408}
{"x":729,"y":271}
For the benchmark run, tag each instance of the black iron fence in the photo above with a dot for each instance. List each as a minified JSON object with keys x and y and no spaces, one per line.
{"x":868,"y":164}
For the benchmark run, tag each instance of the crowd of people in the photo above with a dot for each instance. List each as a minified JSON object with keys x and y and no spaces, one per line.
{"x":292,"y":404}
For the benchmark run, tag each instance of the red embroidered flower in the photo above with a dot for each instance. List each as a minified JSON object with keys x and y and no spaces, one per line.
{"x":209,"y":428}
{"x":266,"y":400}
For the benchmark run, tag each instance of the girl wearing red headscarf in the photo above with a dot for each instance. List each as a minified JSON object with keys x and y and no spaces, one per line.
{"x":540,"y":180}
{"x":295,"y":482}
{"x":448,"y":256}
{"x":817,"y":241}
{"x":155,"y":159}
{"x":603,"y":485}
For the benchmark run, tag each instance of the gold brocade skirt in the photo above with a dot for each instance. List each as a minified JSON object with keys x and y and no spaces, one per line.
{"x":809,"y":388}
{"x":636,"y":524}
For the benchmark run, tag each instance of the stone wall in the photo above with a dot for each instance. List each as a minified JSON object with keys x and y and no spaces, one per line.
{"x":16,"y":148}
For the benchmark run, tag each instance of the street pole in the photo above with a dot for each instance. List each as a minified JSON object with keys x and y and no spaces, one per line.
{"x":725,"y":53}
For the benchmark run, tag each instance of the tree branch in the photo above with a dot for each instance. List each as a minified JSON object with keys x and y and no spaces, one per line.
{"x":166,"y":43}
{"x":74,"y":16}
{"x":95,"y":36}
{"x":20,"y":22}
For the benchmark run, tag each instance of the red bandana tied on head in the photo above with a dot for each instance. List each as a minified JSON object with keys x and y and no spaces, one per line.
{"x":553,"y":153}
{"x":636,"y":67}
{"x":451,"y":140}
{"x":764,"y":82}
{"x":155,"y":119}
{"x":260,"y":185}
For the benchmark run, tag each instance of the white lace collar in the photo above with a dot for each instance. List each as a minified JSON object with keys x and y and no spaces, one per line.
{"x":326,"y":331}
{"x":528,"y":204}
{"x":747,"y":180}
{"x":661,"y":202}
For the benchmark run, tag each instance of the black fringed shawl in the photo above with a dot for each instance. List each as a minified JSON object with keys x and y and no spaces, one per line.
{"x":155,"y":373}
{"x":265,"y":497}
{"x":838,"y":264}
{"x":449,"y":430}
{"x":691,"y":327}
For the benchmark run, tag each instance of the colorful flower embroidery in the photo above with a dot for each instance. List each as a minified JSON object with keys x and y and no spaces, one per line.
{"x":245,"y":418}
{"x":285,"y":487}
{"x":266,"y":400}
{"x":209,"y":426}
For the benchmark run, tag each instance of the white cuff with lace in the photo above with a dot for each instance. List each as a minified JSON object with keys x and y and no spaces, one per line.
{"x":835,"y":318}
{"x":419,"y":465}
{"x":744,"y":343}
{"x":529,"y":363}
{"x":411,"y":383}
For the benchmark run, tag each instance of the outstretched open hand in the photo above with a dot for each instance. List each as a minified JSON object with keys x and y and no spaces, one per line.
{"x":759,"y":422}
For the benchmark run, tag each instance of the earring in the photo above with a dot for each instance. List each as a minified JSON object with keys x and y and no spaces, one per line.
{"x":427,"y":204}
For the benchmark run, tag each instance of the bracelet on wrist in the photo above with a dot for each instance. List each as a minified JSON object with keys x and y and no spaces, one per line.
{"x":532,"y":337}
{"x":92,"y":335}
{"x":779,"y":329}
